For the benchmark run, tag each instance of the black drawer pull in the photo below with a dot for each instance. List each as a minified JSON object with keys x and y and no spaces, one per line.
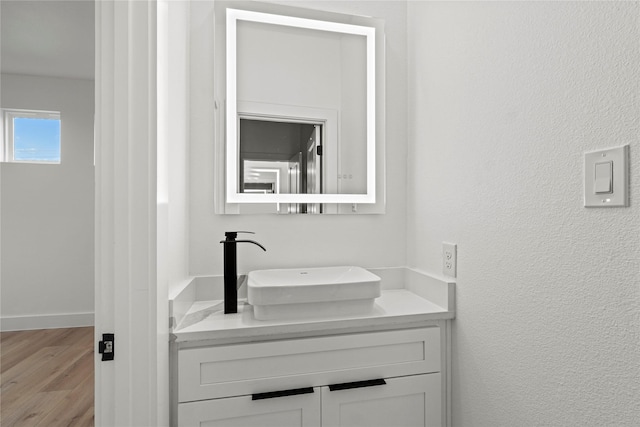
{"x":357,"y":384}
{"x":281,"y":393}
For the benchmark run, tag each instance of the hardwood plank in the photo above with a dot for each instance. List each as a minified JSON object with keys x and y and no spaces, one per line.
{"x":23,"y":343}
{"x":74,"y":374}
{"x":6,"y":338}
{"x":31,"y":365}
{"x":84,"y":420}
{"x":13,"y":353}
{"x":67,"y":336}
{"x":47,"y":377}
{"x":76,"y":409}
{"x":18,"y":345}
{"x":33,"y":381}
{"x":33,"y":409}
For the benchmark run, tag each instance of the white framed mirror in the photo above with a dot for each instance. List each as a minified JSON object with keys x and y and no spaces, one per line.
{"x":304,"y":90}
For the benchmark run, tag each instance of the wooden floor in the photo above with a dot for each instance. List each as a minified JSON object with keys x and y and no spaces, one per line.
{"x":46,"y":377}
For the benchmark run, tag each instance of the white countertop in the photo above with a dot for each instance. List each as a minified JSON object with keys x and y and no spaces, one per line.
{"x":205,"y":321}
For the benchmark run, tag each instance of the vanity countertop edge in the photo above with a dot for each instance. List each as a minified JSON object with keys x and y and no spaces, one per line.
{"x":409,"y":298}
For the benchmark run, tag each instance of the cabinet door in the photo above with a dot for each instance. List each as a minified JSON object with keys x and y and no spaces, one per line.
{"x":301,"y":410}
{"x":401,"y":402}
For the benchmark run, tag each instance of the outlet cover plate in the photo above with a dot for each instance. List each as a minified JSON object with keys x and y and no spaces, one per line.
{"x":449,"y":259}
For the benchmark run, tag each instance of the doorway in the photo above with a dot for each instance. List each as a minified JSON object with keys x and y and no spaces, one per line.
{"x":281,"y":157}
{"x":47,"y":209}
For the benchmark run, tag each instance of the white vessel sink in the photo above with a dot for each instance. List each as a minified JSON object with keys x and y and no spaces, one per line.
{"x":311,"y":292}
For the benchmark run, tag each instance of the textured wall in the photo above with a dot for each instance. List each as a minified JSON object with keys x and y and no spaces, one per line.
{"x":504,"y":99}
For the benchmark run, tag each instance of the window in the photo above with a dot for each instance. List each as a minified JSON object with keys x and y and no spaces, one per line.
{"x":31,"y":136}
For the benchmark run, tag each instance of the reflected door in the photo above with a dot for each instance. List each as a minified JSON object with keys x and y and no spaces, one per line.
{"x":295,"y":180}
{"x":314,"y":167}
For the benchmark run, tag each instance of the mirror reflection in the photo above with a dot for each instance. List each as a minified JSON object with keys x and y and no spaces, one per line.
{"x":295,"y":143}
{"x":311,"y":69}
{"x":281,"y":158}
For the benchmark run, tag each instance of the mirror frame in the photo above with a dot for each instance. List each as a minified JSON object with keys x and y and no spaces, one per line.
{"x":233,"y":195}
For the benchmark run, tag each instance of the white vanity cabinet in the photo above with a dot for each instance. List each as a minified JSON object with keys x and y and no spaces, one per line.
{"x":291,"y":411}
{"x":404,"y":401}
{"x":388,"y":378}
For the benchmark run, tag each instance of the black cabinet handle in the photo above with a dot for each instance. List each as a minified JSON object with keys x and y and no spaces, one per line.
{"x":282,"y":393}
{"x":357,"y":384}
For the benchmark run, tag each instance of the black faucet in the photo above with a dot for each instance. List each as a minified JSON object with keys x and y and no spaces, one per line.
{"x":231,"y":269}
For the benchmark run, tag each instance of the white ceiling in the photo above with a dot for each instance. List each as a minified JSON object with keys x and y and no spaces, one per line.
{"x":47,"y":38}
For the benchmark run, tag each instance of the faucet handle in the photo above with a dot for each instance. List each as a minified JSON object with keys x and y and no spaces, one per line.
{"x":231,"y":235}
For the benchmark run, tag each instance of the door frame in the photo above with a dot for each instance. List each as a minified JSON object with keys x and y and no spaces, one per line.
{"x":126,"y":299}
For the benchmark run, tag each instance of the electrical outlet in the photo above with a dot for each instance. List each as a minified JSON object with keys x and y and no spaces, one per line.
{"x":449,"y":259}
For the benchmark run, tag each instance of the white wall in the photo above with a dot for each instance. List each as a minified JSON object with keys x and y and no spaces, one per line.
{"x":265,"y":52}
{"x":173,"y":183}
{"x":366,"y":240}
{"x":47,"y":213}
{"x":504,"y":99}
{"x":173,"y":143}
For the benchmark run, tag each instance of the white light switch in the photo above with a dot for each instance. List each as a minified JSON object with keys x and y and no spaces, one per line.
{"x":606,"y":177}
{"x":603,"y":178}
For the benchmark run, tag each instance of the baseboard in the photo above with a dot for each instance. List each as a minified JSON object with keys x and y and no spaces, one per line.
{"x":50,"y":321}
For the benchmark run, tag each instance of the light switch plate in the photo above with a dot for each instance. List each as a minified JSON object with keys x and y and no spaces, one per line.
{"x":619,"y":159}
